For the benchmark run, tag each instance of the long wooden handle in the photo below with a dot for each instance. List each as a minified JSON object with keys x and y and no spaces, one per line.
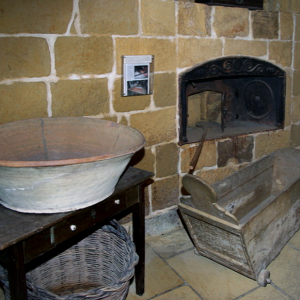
{"x":196,"y":156}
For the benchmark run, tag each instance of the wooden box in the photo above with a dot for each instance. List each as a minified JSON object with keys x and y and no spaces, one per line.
{"x":244,"y":220}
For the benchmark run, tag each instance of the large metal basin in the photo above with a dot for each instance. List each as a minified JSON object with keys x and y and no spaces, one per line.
{"x":52,"y":165}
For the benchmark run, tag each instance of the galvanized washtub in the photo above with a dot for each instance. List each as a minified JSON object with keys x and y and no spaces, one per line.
{"x":52,"y":165}
{"x":244,"y":220}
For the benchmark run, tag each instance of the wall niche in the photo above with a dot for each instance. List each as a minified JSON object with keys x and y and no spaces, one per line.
{"x":251,"y":4}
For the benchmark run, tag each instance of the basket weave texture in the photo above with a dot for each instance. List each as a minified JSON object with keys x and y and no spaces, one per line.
{"x":98,"y":267}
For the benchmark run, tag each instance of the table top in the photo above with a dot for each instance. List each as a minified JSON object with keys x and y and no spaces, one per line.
{"x":16,"y":226}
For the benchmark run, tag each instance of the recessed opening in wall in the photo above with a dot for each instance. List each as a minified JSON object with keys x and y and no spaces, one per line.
{"x":251,"y":4}
{"x":204,"y":107}
{"x":230,"y":96}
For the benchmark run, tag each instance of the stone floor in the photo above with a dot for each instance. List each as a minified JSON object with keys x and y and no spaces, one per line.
{"x":175,"y":272}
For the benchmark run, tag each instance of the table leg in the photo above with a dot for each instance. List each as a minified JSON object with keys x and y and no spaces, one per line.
{"x":16,"y":273}
{"x":138,"y":220}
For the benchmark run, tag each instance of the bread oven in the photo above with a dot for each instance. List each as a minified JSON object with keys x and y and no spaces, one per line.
{"x":231,"y":96}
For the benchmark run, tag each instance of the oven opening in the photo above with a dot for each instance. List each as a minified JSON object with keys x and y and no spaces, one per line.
{"x":230,"y":97}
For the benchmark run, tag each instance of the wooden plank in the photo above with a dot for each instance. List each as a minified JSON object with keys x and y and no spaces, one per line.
{"x":264,"y":247}
{"x":242,"y":176}
{"x":16,"y":272}
{"x":138,"y":220}
{"x":204,"y":198}
{"x":286,"y":167}
{"x":249,"y":195}
{"x":222,"y":246}
{"x":218,"y":222}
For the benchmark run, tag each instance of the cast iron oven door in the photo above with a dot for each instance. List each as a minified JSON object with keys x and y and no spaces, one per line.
{"x":251,"y":95}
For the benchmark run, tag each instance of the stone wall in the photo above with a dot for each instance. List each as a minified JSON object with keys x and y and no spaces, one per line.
{"x":63,"y":58}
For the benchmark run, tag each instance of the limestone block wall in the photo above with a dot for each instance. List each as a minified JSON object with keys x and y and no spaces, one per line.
{"x":63,"y":58}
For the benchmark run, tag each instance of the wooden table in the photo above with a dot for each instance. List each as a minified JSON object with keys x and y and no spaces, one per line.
{"x":26,"y":240}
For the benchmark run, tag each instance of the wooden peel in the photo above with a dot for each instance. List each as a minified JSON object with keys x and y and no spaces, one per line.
{"x":205,"y":126}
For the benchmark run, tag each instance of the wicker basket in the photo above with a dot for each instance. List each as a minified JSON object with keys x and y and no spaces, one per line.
{"x":98,"y":267}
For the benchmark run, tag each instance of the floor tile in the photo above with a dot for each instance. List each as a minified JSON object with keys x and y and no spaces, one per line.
{"x":211,"y":280}
{"x":285,"y":271}
{"x":266,"y":293}
{"x":171,"y":243}
{"x":159,"y":277}
{"x":181,"y":293}
{"x":295,"y":240}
